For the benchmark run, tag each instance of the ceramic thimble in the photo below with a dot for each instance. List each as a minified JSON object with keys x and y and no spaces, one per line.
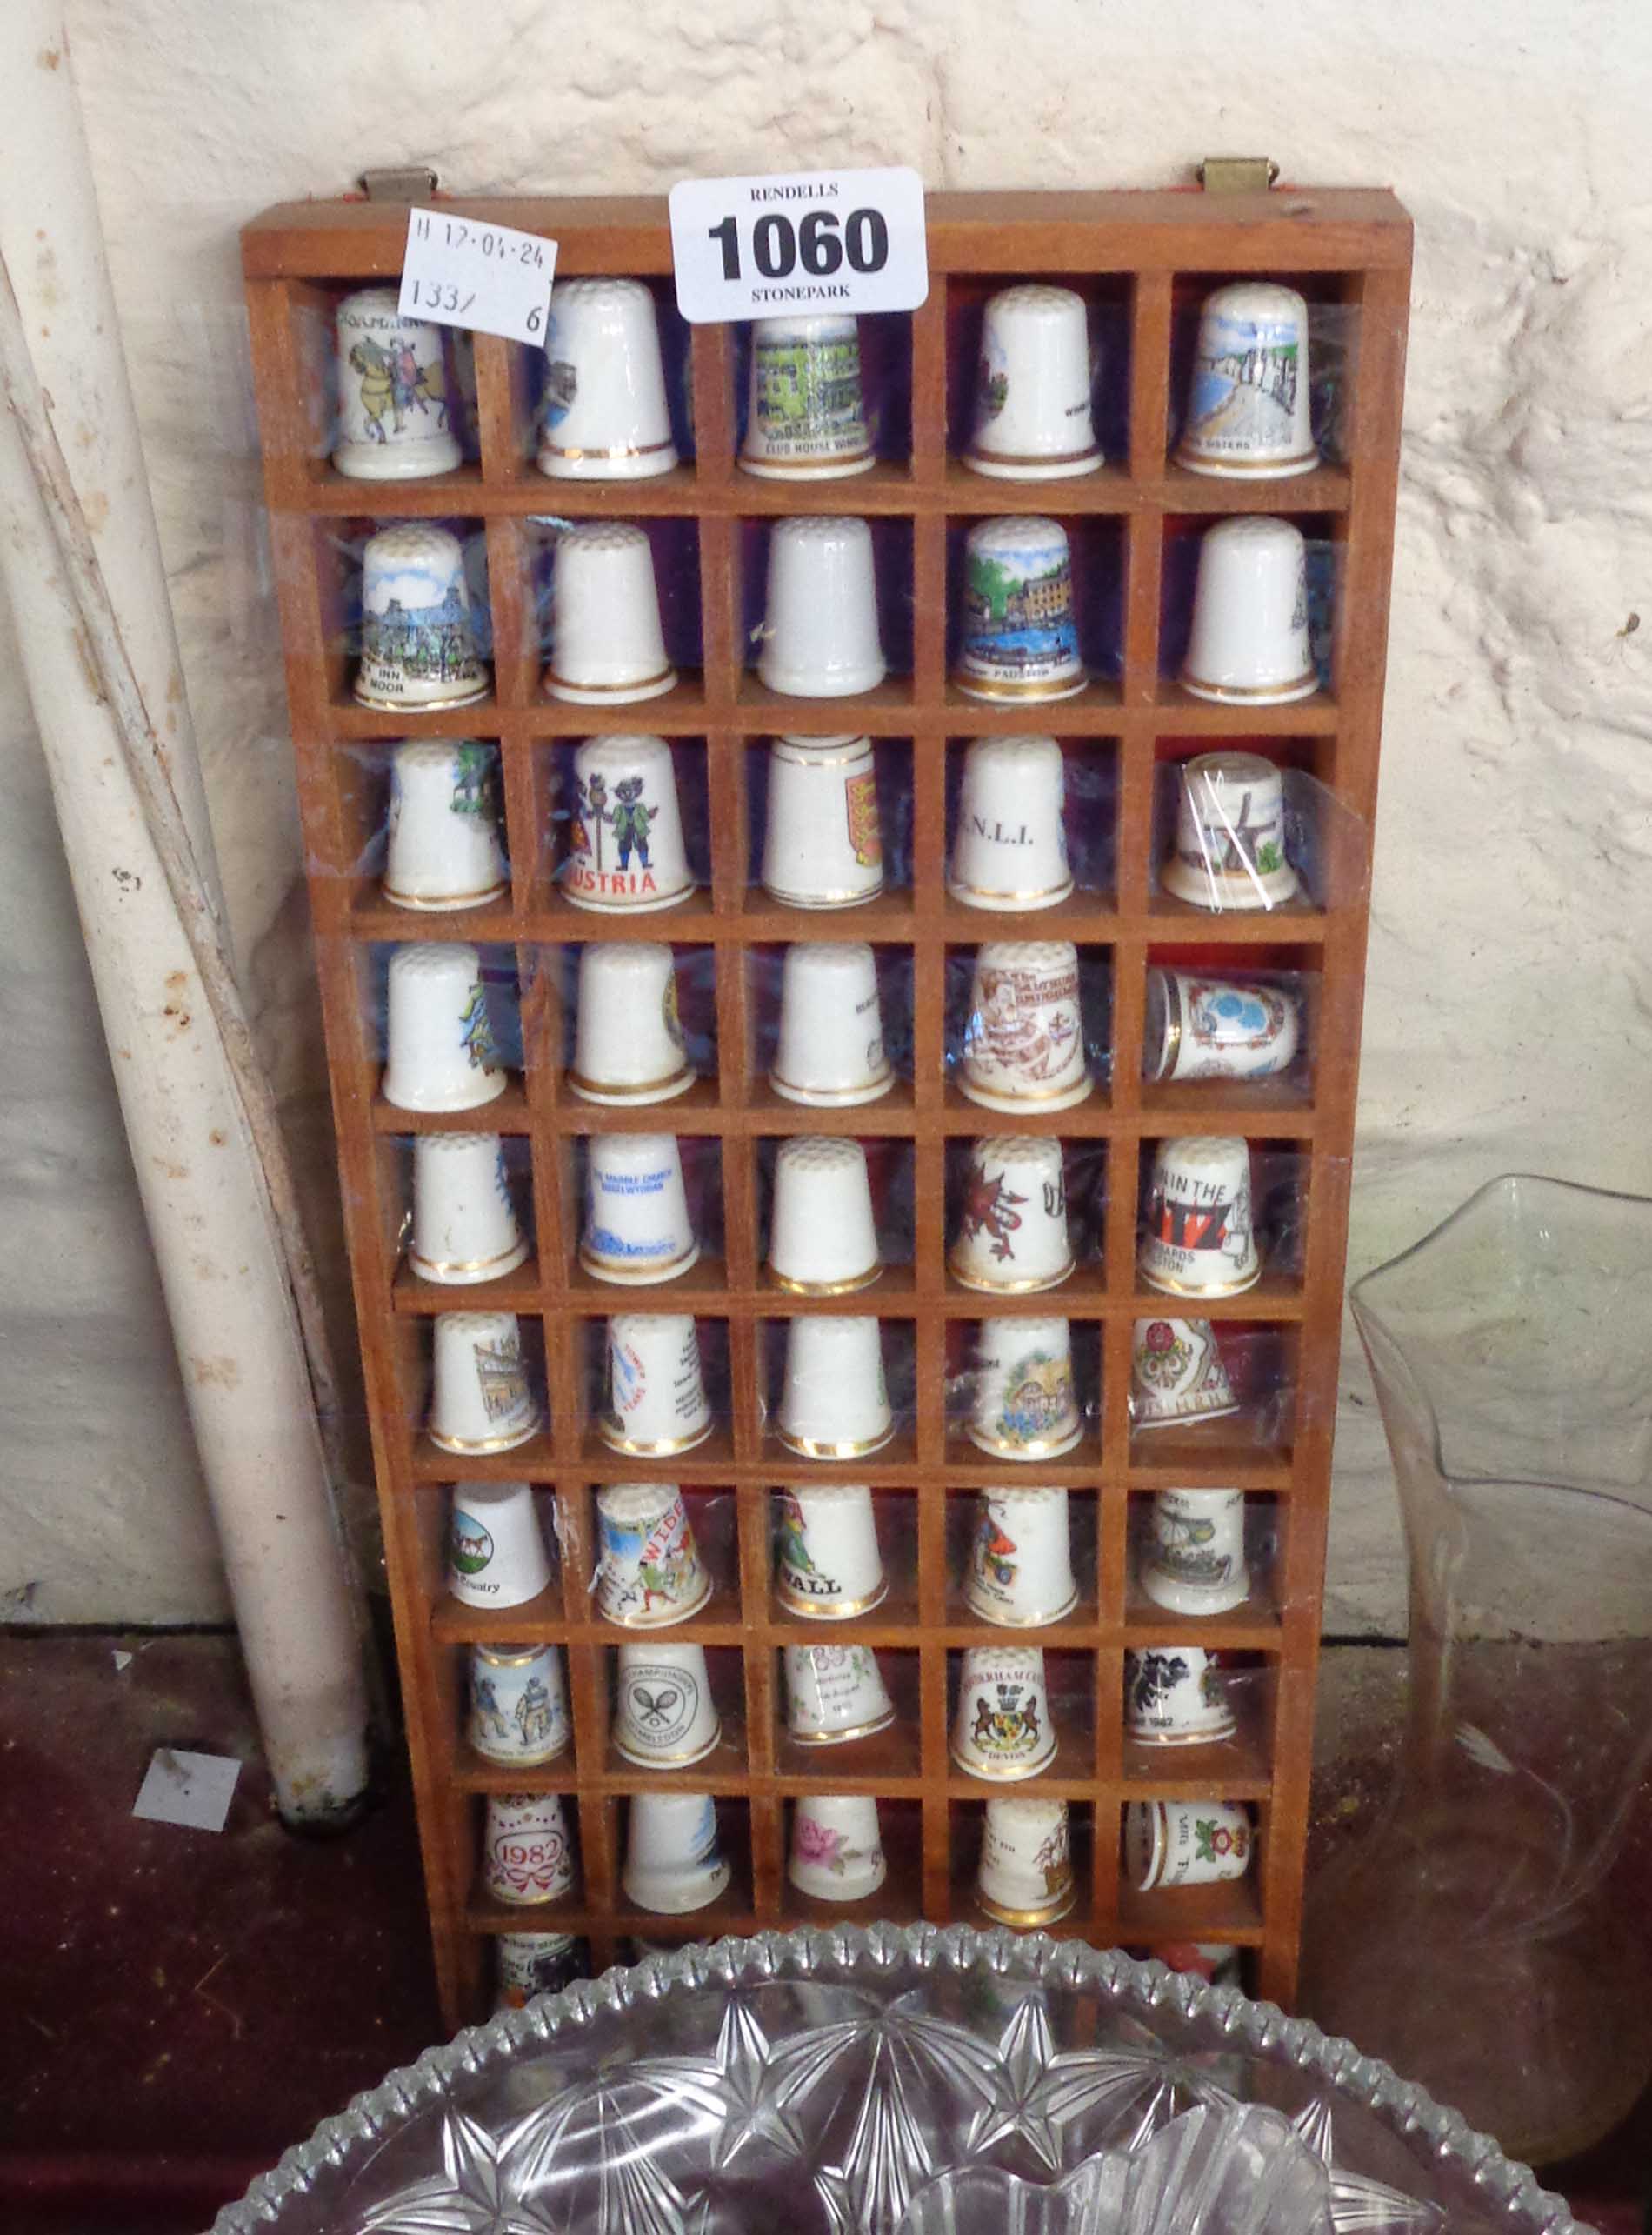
{"x":822,"y":1239}
{"x":1229,"y":848}
{"x":1002,"y":1727}
{"x":805,"y":420}
{"x":664,"y":1717}
{"x":673,"y":1863}
{"x":1195,"y":1558}
{"x":1200,"y":1028}
{"x":837,"y":1854}
{"x":649,"y":1570}
{"x":1176,"y":1373}
{"x":1248,"y":639}
{"x":1247,"y":410}
{"x":628,"y":1044}
{"x":1024,"y":1405}
{"x":1023,"y":1039}
{"x":497,"y":1553}
{"x":527,"y":1964}
{"x":1033,"y":419}
{"x":834,"y":1402}
{"x":607,"y":643}
{"x":835,"y":1694}
{"x":1010,"y":849}
{"x":822,"y":843}
{"x":1186,"y":1842}
{"x":604,"y":415}
{"x":1175,"y":1696}
{"x":829,"y":1050}
{"x":519,"y":1705}
{"x":1021,"y":1559}
{"x":819,"y":634}
{"x":827,"y":1562}
{"x":442,"y":849}
{"x":1018,"y":637}
{"x":636,"y":1213}
{"x":625,"y":847}
{"x":657,"y":1401}
{"x":393,"y":423}
{"x":464,"y":1226}
{"x":418,"y":644}
{"x":1012,"y":1222}
{"x":1198,"y":1239}
{"x":1025,"y":1875}
{"x":526,"y":1852}
{"x":441,"y":1053}
{"x":480,"y":1399}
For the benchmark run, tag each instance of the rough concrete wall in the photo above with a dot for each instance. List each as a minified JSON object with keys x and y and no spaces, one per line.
{"x":1510,"y":1016}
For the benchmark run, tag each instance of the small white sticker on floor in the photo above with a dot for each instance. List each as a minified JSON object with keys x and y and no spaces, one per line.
{"x":193,"y":1789}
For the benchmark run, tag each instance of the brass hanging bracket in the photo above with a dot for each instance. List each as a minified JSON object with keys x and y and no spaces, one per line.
{"x":1238,"y":174}
{"x":414,"y":181}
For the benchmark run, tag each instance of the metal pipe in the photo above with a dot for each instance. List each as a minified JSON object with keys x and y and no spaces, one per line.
{"x":81,"y":563}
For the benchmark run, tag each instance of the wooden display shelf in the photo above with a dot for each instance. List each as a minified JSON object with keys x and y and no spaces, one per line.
{"x":1151,"y":257}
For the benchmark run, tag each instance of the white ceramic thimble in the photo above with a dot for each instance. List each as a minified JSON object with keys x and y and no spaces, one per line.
{"x":1009,"y":848}
{"x":837,"y":1854}
{"x":834,"y":1402}
{"x":1229,"y":848}
{"x":822,"y":843}
{"x":1024,"y":1405}
{"x":518,"y":1704}
{"x":829,"y":1049}
{"x":628,"y":1044}
{"x":1025,"y":1875}
{"x":440,"y":1050}
{"x":1186,"y":1842}
{"x":1249,"y":416}
{"x":1021,"y":1559}
{"x":1199,"y":1028}
{"x":1012,"y":1222}
{"x":442,"y":849}
{"x":625,"y":847}
{"x":480,"y":1399}
{"x":649,"y":1570}
{"x":607,"y":643}
{"x":827,"y":1561}
{"x":1002,"y":1727}
{"x":822,"y":1239}
{"x":673,"y":1863}
{"x":1023,"y":1040}
{"x":496,"y":1552}
{"x":664,"y":1717}
{"x":1176,"y":1373}
{"x":657,"y":1401}
{"x":805,"y":420}
{"x":636,"y":1217}
{"x":1175,"y":1696}
{"x":1019,"y":638}
{"x":526,"y":1853}
{"x":464,"y":1226}
{"x":1197,"y":1238}
{"x":605,"y":416}
{"x":527,"y":1964}
{"x":393,"y":421}
{"x":819,"y":634}
{"x":1248,"y":639}
{"x":1195,"y":1559}
{"x":1033,"y":419}
{"x":835,"y":1694}
{"x":418,"y":645}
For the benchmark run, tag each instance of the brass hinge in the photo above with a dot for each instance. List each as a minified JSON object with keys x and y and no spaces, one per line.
{"x":1238,"y":174}
{"x":414,"y":181}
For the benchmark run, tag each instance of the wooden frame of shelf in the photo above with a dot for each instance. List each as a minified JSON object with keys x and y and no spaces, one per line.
{"x":1155,"y":254}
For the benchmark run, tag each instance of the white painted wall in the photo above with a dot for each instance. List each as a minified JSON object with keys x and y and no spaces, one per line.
{"x":1510,"y":1016}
